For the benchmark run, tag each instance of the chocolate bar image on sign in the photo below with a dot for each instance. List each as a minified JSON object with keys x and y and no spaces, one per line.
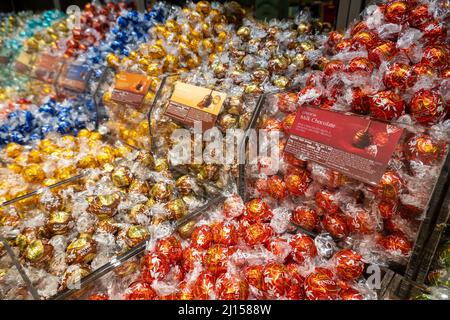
{"x":139,"y":86}
{"x":362,"y":138}
{"x":206,"y":101}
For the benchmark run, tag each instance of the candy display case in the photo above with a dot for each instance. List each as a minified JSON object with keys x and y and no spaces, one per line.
{"x":398,"y":225}
{"x":196,"y":152}
{"x":112,"y":279}
{"x":118,"y":196}
{"x":218,"y":259}
{"x":26,"y":218}
{"x":386,"y":65}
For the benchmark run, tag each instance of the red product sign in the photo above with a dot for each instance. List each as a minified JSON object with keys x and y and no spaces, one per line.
{"x":4,"y":60}
{"x":47,"y":68}
{"x":355,"y":146}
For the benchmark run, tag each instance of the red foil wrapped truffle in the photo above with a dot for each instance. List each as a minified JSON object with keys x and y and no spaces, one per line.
{"x":427,"y":107}
{"x":303,"y":248}
{"x":320,"y":285}
{"x":386,"y":105}
{"x":349,"y":265}
{"x":276,"y":281}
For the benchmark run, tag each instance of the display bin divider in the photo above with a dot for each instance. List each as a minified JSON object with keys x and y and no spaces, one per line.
{"x":157,"y":97}
{"x":242,"y":190}
{"x":101,"y":271}
{"x":40,"y":190}
{"x":100,"y":113}
{"x":118,"y":260}
{"x":58,"y":74}
{"x":55,"y":83}
{"x":243,"y":147}
{"x":31,"y":289}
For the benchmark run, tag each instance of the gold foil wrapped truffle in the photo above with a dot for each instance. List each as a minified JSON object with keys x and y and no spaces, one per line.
{"x":121,"y":177}
{"x":134,"y":235}
{"x":161,"y":191}
{"x":38,"y":252}
{"x":176,"y":209}
{"x":81,"y":250}
{"x":103,"y":206}
{"x":59,"y":222}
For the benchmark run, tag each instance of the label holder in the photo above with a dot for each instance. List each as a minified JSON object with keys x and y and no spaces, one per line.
{"x":41,"y":67}
{"x":24,"y":63}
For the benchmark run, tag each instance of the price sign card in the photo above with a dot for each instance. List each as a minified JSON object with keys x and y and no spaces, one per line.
{"x":131,"y":88}
{"x":74,"y":77}
{"x":190,"y":103}
{"x":4,"y":60}
{"x":355,"y":146}
{"x":47,"y":68}
{"x":24,"y":63}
